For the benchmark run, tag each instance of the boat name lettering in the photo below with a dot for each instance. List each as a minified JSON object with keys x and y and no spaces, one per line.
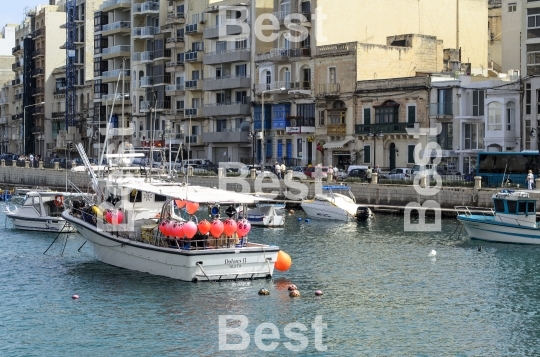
{"x":235,"y":263}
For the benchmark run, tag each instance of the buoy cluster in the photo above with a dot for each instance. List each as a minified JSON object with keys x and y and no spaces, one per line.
{"x":216,"y":228}
{"x":114,"y":217}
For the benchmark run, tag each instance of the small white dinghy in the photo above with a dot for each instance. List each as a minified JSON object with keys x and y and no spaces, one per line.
{"x":266,"y":215}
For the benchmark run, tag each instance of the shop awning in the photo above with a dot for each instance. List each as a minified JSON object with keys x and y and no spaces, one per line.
{"x":337,"y":144}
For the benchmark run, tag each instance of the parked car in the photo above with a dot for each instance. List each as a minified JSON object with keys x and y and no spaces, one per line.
{"x":357,"y":173}
{"x":428,"y":170}
{"x":246,"y":170}
{"x":297,"y":168}
{"x":9,"y":157}
{"x":398,"y":174}
{"x":310,"y":171}
{"x":341,"y":175}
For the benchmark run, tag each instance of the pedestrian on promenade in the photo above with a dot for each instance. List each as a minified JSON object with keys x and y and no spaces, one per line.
{"x":368,"y":174}
{"x":277,"y":169}
{"x":530,"y":180}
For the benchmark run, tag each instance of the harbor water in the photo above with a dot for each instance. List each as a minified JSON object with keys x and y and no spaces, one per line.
{"x":384,"y":295}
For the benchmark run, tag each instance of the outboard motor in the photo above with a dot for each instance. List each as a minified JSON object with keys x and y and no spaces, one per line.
{"x":362,"y":213}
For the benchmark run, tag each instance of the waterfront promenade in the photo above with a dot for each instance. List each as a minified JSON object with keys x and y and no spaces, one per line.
{"x":371,"y":194}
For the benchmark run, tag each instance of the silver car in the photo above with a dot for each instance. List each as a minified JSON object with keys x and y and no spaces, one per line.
{"x":401,"y":173}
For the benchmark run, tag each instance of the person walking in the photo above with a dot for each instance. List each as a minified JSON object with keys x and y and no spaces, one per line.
{"x":277,"y":169}
{"x":530,"y":180}
{"x":283,"y":170}
{"x":368,"y":174}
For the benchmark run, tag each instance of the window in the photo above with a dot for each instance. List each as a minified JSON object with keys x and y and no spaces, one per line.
{"x":533,"y":23}
{"x":512,"y":206}
{"x":179,"y":104}
{"x":240,"y":70}
{"x":307,"y":113}
{"x":473,"y":136}
{"x":221,"y":125}
{"x":299,"y":148}
{"x":221,"y":46}
{"x":195,"y":75}
{"x":322,"y":121}
{"x":285,"y":7}
{"x":510,"y":116}
{"x":332,"y":75}
{"x":367,"y":154}
{"x":528,"y":99}
{"x":268,"y":79}
{"x":478,"y":103}
{"x":411,"y":113}
{"x":512,"y":7}
{"x":337,"y":117}
{"x":367,"y":116}
{"x":495,"y":116}
{"x":445,"y":138}
{"x":240,"y":44}
{"x":388,"y":112}
{"x":499,"y":206}
{"x":410,"y":154}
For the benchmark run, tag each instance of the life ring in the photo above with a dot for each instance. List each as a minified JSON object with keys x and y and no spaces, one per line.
{"x":58,"y":200}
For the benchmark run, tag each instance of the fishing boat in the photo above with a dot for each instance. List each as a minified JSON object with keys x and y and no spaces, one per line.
{"x":336,"y":203}
{"x":158,"y":245}
{"x":512,"y":220}
{"x":42,"y":211}
{"x":267,"y":215}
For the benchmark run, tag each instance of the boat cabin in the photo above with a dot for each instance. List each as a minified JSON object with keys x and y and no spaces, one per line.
{"x":339,"y":191}
{"x":515,"y":207}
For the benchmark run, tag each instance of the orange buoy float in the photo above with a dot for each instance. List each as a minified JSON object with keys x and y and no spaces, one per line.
{"x":178,"y":230}
{"x":192,"y":207}
{"x":216,"y":230}
{"x":243,"y":228}
{"x":190,"y":229}
{"x":58,"y":200}
{"x":283,"y":261}
{"x":229,"y":227}
{"x":180,"y":203}
{"x":204,"y":227}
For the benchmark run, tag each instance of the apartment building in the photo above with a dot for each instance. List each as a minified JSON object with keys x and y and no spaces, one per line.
{"x":511,"y":34}
{"x":112,"y":74}
{"x":7,"y":143}
{"x":7,"y":41}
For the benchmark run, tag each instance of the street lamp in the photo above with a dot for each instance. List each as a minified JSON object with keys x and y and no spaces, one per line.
{"x":376,"y":135}
{"x":24,"y":126}
{"x":253,"y":136}
{"x":262,"y":117}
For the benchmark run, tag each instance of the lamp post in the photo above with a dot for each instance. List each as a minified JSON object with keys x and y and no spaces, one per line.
{"x":24,"y":126}
{"x":253,"y":136}
{"x":262,"y":117}
{"x":379,"y":134}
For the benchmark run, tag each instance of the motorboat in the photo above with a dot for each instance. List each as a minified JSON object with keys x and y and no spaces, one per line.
{"x":140,"y":243}
{"x":336,"y":203}
{"x":42,"y":211}
{"x":267,"y":215}
{"x":512,"y":220}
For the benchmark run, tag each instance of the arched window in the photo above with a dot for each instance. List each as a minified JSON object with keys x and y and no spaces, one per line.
{"x":305,"y":8}
{"x":388,"y":112}
{"x":286,"y":77}
{"x":141,"y":100}
{"x":285,"y":7}
{"x":495,"y":116}
{"x":510,"y":116}
{"x":338,"y":104}
{"x":284,"y":43}
{"x":266,"y":78}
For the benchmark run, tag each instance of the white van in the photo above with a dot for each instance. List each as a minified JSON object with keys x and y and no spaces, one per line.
{"x":352,"y":167}
{"x":428,"y":170}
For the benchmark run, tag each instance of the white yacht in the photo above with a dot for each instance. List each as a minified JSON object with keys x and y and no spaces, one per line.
{"x":336,"y":203}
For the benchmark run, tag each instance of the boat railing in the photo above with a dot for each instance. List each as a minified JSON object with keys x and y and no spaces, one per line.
{"x":468,"y":211}
{"x":523,"y":221}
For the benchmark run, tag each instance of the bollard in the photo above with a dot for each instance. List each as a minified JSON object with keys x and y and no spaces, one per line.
{"x":220,"y":172}
{"x":423,"y":181}
{"x":14,"y":163}
{"x":27,"y":164}
{"x":288,"y":175}
{"x":56,"y":165}
{"x":41,"y":165}
{"x":190,"y":170}
{"x":253,"y":174}
{"x":477,"y":182}
{"x":3,"y":162}
{"x":537,"y":182}
{"x":375,"y":178}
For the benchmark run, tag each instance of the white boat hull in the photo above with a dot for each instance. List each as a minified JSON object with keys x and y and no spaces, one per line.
{"x":500,"y":232}
{"x":41,"y":224}
{"x":325,"y":211}
{"x":255,"y":261}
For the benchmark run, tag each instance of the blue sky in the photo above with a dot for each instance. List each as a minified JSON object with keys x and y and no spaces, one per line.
{"x":12,"y":11}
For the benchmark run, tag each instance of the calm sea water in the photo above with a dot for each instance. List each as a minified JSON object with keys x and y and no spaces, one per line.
{"x":383,"y":296}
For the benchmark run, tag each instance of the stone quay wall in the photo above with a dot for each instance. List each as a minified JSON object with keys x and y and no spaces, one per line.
{"x":371,"y":194}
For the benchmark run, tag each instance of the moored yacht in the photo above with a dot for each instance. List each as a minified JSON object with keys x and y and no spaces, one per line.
{"x":336,"y":203}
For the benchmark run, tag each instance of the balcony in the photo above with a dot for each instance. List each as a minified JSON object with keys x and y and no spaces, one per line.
{"x":275,"y":54}
{"x":145,"y":8}
{"x":336,"y":129}
{"x":329,"y":89}
{"x":299,"y":125}
{"x":175,"y":89}
{"x":39,"y":33}
{"x":38,"y":91}
{"x":38,"y":72}
{"x":164,"y":79}
{"x":59,"y":91}
{"x":237,"y":55}
{"x":194,"y":140}
{"x":116,"y":51}
{"x":114,"y":4}
{"x":3,"y":100}
{"x":193,"y":85}
{"x":226,"y":29}
{"x":121,"y":131}
{"x":227,"y":136}
{"x":160,"y":105}
{"x":174,"y":66}
{"x":16,"y":49}
{"x":163,"y":54}
{"x":192,"y":29}
{"x":117,"y":98}
{"x":441,"y":109}
{"x":274,"y":86}
{"x":176,"y":19}
{"x":302,"y":86}
{"x":143,"y":57}
{"x":232,"y":108}
{"x":146,"y":82}
{"x":385,"y":128}
{"x":38,"y":53}
{"x":16,"y":66}
{"x":58,"y":115}
{"x":17,"y":97}
{"x":37,"y":129}
{"x":191,"y":112}
{"x":113,"y":75}
{"x":144,"y":32}
{"x":3,"y":120}
{"x":226,"y":82}
{"x":175,"y":42}
{"x":16,"y":116}
{"x":116,"y":27}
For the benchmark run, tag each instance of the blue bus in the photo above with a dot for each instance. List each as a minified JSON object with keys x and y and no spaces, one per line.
{"x":507,"y":168}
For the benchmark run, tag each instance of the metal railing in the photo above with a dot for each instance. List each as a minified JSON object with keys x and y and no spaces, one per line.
{"x":175,"y":87}
{"x":116,"y":49}
{"x":329,"y":89}
{"x":115,"y":73}
{"x":386,"y":128}
{"x":441,"y":109}
{"x":116,"y":25}
{"x":145,"y":7}
{"x":296,"y":122}
{"x":143,"y":56}
{"x":110,"y":3}
{"x":145,"y":31}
